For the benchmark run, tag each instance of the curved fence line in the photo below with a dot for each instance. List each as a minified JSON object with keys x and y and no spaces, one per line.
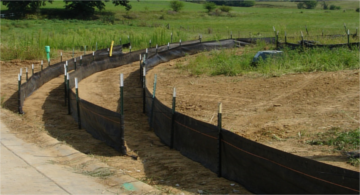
{"x":259,"y":168}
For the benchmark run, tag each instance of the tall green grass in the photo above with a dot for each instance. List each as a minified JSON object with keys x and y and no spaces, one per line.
{"x":30,"y":45}
{"x":25,"y":39}
{"x":232,"y":63}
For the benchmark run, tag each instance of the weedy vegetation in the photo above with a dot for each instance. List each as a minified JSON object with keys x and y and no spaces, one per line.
{"x":232,"y":63}
{"x":340,"y":140}
{"x":26,"y":38}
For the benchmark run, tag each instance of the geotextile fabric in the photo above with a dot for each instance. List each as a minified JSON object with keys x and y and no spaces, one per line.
{"x":330,"y":46}
{"x":261,"y":169}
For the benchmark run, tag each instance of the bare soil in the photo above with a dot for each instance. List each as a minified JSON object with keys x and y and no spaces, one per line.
{"x":255,"y":107}
{"x":157,"y":165}
{"x":280,"y":112}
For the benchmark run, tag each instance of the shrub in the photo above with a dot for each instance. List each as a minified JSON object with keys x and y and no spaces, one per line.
{"x":249,"y":3}
{"x":357,"y":9}
{"x":209,"y":6}
{"x":176,"y":5}
{"x":334,"y":7}
{"x":310,"y":4}
{"x":225,"y":8}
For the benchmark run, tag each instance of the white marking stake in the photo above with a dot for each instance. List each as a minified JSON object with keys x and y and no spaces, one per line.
{"x":76,"y":82}
{"x":121,"y":80}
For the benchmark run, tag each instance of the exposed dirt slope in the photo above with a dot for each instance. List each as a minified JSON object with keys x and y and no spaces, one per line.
{"x":260,"y":107}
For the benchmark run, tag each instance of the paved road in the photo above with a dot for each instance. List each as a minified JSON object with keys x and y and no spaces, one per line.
{"x":27,"y":169}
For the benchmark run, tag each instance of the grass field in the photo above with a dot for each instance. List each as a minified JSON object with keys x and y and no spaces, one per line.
{"x":25,"y":39}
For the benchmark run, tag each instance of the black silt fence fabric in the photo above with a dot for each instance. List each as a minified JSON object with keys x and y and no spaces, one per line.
{"x":148,"y":102}
{"x":87,"y":66}
{"x":101,"y":123}
{"x":196,"y":140}
{"x":183,"y":50}
{"x":38,"y":79}
{"x":104,"y":62}
{"x":267,"y":170}
{"x":73,"y":107}
{"x":260,"y":168}
{"x":50,"y":72}
{"x":330,"y":46}
{"x":256,"y":40}
{"x":162,"y":121}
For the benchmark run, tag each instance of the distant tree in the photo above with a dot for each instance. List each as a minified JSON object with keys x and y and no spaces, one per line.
{"x":325,"y":6}
{"x":357,"y":9}
{"x":238,"y":3}
{"x":29,"y":6}
{"x":309,"y":4}
{"x":209,"y":6}
{"x":86,"y":9}
{"x":176,"y":5}
{"x":247,"y":3}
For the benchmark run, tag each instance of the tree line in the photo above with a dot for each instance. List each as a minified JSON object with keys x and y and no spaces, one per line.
{"x":79,"y":8}
{"x":242,"y":3}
